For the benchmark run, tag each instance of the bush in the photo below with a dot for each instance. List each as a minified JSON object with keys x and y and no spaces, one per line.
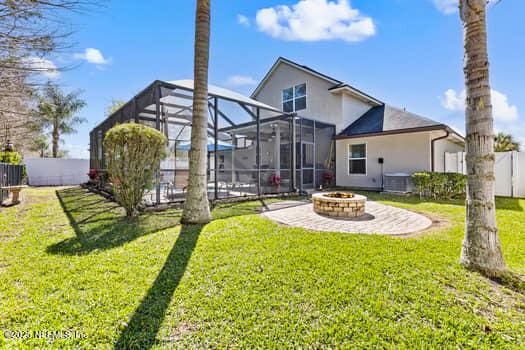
{"x":15,"y":158}
{"x":439,"y":185}
{"x":456,"y":184}
{"x":422,"y":182}
{"x":133,"y":155}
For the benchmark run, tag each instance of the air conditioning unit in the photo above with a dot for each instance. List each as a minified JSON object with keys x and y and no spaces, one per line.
{"x":398,"y":182}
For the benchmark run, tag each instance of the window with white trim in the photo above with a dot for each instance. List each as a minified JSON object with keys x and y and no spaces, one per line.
{"x":294,"y":98}
{"x":357,"y":159}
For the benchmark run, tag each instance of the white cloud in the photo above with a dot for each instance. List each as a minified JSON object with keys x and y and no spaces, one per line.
{"x":240,"y":80}
{"x":454,"y":101}
{"x":243,"y":20}
{"x":92,"y":55}
{"x":502,"y":110}
{"x":451,"y":6}
{"x":446,"y":6}
{"x":315,"y":20}
{"x":42,"y":66}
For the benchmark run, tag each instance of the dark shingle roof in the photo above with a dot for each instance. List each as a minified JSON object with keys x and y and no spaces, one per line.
{"x":385,"y":119}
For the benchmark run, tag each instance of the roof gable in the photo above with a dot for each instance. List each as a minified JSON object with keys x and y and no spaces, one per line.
{"x":338,"y":86}
{"x":282,"y":60}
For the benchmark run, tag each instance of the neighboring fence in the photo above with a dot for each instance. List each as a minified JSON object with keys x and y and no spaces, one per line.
{"x":10,"y":175}
{"x":510,"y":171}
{"x":56,"y":171}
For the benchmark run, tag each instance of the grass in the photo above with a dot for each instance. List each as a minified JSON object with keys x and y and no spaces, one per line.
{"x":69,"y":261}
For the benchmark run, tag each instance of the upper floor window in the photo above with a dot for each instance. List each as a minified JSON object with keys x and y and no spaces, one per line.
{"x":294,"y":98}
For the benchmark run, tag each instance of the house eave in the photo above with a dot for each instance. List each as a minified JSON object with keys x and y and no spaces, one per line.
{"x":401,"y":131}
{"x":347,"y":89}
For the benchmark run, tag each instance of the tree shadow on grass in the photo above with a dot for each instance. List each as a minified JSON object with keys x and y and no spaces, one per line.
{"x":101,"y":224}
{"x":505,"y":203}
{"x":511,"y":280}
{"x":143,"y":327}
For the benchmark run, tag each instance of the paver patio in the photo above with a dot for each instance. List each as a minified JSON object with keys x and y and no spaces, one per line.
{"x":379,"y":219}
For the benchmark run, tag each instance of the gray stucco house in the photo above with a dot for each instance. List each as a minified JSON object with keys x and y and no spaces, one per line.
{"x":372,"y":138}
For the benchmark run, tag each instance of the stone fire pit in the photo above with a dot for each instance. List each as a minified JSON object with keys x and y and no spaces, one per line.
{"x":339,"y":204}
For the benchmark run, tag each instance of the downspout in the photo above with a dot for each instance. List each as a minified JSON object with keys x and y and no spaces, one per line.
{"x":432,"y":147}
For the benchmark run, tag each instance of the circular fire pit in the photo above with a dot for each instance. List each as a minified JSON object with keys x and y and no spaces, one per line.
{"x":339,"y":204}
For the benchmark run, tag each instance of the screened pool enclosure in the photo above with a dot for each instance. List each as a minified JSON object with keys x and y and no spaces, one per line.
{"x":253,"y":149}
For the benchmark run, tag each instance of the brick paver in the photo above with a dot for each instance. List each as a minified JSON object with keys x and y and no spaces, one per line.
{"x":379,"y":219}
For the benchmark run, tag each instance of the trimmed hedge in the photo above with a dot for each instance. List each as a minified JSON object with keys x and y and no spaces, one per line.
{"x":133,"y":155}
{"x":439,"y":185}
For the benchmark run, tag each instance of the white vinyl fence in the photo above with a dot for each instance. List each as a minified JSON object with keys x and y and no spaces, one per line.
{"x":510,"y":171}
{"x":56,"y":171}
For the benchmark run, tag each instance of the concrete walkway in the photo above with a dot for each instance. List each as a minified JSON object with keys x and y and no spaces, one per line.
{"x":379,"y":219}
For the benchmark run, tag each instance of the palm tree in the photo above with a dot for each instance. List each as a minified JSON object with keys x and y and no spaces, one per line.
{"x":40,"y":145}
{"x":505,"y":142}
{"x":481,"y":250}
{"x":56,"y":112}
{"x":196,"y":208}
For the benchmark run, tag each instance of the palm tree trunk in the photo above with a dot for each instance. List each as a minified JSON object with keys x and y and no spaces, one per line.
{"x":481,"y":249}
{"x":55,"y":139}
{"x":196,"y":208}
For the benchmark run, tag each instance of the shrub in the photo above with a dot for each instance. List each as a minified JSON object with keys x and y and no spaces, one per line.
{"x":439,"y":185}
{"x":456,"y":184}
{"x":15,"y":158}
{"x":422,"y":182}
{"x":133,"y":154}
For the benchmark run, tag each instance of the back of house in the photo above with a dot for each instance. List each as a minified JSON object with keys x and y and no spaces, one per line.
{"x":371,"y":138}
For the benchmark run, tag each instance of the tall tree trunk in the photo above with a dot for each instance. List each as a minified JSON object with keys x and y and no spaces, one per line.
{"x":55,"y":139}
{"x":196,"y":208}
{"x":481,"y":249}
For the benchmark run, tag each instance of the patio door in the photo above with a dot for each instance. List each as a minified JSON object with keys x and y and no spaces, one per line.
{"x":307,"y":158}
{"x":305,"y":164}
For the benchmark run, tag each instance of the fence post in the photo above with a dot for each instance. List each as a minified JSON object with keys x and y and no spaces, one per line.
{"x":513,"y":174}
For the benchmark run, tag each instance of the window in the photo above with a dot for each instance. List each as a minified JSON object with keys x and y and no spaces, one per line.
{"x":357,"y":159}
{"x":294,"y":98}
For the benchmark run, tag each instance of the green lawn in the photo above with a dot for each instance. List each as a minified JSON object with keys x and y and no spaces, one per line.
{"x":69,"y":261}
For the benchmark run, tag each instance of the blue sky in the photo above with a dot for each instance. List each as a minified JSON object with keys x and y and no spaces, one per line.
{"x":405,"y":52}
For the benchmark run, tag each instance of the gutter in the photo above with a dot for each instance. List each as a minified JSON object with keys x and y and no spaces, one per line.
{"x":394,"y":132}
{"x":432,"y":148}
